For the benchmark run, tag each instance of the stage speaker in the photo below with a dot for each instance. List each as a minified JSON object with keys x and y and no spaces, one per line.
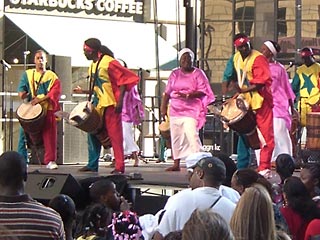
{"x":149,"y":204}
{"x":216,"y":138}
{"x":72,"y":142}
{"x":44,"y":186}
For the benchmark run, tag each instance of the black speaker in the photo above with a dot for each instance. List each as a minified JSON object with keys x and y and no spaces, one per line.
{"x":149,"y":204}
{"x":44,"y":186}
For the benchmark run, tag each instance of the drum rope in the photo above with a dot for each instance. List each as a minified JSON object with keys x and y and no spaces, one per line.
{"x":93,"y":80}
{"x":34,"y":83}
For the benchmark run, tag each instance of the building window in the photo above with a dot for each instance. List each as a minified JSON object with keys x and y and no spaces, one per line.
{"x":281,"y":23}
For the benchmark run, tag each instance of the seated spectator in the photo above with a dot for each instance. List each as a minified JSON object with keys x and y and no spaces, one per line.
{"x":299,"y":208}
{"x":310,"y":176}
{"x":313,"y":230}
{"x":206,"y":225}
{"x":246,"y":177}
{"x":64,"y":205}
{"x":175,"y":235}
{"x":231,"y":167}
{"x":104,"y":191}
{"x":125,"y":225}
{"x":94,"y":222}
{"x":253,"y":217}
{"x":208,"y":174}
{"x":29,"y":219}
{"x":224,"y":190}
{"x":284,"y":167}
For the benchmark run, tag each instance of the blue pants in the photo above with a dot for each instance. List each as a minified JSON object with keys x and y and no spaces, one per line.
{"x":94,"y":149}
{"x":243,"y":151}
{"x":22,"y":148}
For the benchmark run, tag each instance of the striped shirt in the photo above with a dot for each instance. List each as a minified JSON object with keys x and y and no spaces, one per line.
{"x":24,"y":218}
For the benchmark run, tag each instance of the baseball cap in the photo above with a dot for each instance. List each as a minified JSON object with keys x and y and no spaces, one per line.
{"x":193,"y":158}
{"x":212,"y":166}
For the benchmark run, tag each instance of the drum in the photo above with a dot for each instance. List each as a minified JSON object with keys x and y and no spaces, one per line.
{"x":31,"y":118}
{"x":237,"y":115}
{"x":164,"y":128}
{"x":313,"y":131}
{"x":85,"y":117}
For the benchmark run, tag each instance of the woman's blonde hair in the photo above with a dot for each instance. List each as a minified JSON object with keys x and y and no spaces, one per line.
{"x":206,"y":225}
{"x":253,"y":217}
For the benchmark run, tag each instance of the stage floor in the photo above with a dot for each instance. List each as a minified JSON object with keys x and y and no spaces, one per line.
{"x":152,"y":174}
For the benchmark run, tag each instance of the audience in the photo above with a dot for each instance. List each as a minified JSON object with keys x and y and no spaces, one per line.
{"x":206,"y":225}
{"x":64,"y":205}
{"x":22,"y":216}
{"x":253,"y":217}
{"x":299,"y":208}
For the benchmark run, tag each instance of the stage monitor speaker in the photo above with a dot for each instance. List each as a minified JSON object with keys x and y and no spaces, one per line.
{"x":147,"y":204}
{"x":44,"y":186}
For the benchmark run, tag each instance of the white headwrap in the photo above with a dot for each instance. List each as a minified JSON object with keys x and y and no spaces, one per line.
{"x":186,"y":50}
{"x":271,"y":47}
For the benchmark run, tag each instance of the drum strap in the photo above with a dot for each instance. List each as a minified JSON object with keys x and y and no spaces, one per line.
{"x":93,"y":81}
{"x":34,"y":83}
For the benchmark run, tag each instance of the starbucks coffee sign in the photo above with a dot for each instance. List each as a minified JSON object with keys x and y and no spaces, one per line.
{"x":111,"y":9}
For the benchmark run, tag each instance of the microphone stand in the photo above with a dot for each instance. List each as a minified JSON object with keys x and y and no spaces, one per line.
{"x":3,"y":115}
{"x":11,"y":119}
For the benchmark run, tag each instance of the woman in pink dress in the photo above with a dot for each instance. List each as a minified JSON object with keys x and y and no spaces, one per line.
{"x":189,"y":93}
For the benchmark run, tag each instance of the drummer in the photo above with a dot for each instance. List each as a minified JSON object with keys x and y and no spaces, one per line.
{"x":256,"y":87}
{"x":109,"y":80}
{"x":39,"y":85}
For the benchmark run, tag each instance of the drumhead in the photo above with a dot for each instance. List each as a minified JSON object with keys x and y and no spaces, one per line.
{"x":78,"y":111}
{"x":28,"y":111}
{"x":164,"y":126}
{"x":231,"y":112}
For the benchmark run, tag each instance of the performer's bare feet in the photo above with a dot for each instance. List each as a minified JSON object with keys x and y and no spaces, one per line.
{"x":173,"y":169}
{"x":112,"y":164}
{"x":136,"y":159}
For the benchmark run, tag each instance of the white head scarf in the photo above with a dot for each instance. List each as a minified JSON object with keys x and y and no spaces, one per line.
{"x":271,"y":47}
{"x":186,"y":50}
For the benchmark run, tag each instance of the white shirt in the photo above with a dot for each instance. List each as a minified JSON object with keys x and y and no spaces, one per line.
{"x":180,"y":207}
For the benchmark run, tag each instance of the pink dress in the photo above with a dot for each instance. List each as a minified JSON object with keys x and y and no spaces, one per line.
{"x":187,"y":116}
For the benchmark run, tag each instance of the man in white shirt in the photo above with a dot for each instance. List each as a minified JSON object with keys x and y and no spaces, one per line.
{"x":208,"y":174}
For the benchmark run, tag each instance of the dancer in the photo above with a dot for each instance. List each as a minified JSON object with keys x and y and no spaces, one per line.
{"x":189,"y":93}
{"x":283,"y":100}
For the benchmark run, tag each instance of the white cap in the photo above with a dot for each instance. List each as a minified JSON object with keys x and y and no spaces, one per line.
{"x":193,"y":158}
